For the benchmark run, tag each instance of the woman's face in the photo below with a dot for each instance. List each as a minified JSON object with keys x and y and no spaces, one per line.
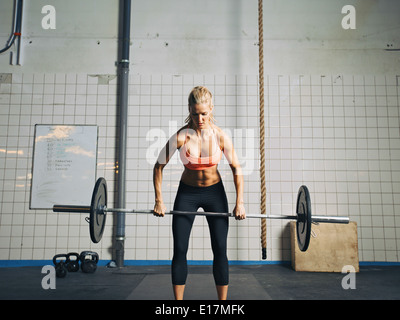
{"x":201,"y":114}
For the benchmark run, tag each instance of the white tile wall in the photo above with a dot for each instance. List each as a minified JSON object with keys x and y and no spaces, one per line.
{"x":338,"y":134}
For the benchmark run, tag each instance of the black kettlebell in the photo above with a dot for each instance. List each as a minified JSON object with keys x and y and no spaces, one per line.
{"x":60,"y":266}
{"x":89,"y":260}
{"x":73,"y":265}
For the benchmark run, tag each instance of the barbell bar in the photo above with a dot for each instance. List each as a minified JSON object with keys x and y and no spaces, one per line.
{"x":103,"y":210}
{"x":98,"y":211}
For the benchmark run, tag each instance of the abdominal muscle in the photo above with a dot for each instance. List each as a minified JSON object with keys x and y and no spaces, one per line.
{"x":201,"y":178}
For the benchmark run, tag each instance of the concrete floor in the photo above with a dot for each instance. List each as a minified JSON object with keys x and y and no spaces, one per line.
{"x":256,"y":282}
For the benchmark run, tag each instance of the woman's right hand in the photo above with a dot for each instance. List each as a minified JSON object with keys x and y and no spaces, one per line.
{"x":159,"y":209}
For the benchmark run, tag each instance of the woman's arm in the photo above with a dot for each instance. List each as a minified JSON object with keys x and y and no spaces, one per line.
{"x":174,"y":143}
{"x":230,"y":154}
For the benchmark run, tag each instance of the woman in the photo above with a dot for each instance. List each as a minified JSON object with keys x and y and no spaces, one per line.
{"x":201,"y":144}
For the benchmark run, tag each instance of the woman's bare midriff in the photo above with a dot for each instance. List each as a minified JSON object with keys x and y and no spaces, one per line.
{"x":201,"y":178}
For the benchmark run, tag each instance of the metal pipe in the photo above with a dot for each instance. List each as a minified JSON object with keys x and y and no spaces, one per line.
{"x":123,"y":130}
{"x":16,"y":32}
{"x":19,"y":33}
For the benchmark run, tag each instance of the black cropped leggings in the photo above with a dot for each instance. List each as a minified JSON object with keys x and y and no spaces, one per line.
{"x":211,"y":199}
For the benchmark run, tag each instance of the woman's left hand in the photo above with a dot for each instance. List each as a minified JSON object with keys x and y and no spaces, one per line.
{"x":239,"y":212}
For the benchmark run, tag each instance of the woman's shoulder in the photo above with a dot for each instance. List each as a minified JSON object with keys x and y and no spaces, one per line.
{"x":220,"y":132}
{"x":181,"y":134}
{"x":221,"y":135}
{"x":182,"y":130}
{"x":186,"y":126}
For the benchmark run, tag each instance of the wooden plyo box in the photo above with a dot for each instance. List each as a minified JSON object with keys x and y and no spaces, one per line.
{"x":333,"y":247}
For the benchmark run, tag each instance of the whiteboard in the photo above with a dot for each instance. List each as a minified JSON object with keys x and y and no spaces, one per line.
{"x":64,"y":165}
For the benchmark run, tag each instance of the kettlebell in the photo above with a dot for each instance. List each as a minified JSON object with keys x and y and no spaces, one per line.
{"x":73,"y":265}
{"x":60,"y":266}
{"x":89,"y":260}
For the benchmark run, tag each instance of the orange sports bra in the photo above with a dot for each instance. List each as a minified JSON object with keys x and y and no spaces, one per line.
{"x":200,"y":163}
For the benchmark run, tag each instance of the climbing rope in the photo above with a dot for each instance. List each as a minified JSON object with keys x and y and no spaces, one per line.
{"x":262,"y":129}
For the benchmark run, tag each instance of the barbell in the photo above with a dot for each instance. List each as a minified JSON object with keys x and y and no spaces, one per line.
{"x":98,"y":212}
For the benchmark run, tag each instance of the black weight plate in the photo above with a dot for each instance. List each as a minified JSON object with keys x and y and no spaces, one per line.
{"x":303,"y":224}
{"x":97,"y":220}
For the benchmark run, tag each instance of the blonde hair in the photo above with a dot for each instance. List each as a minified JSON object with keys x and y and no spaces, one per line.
{"x":199,"y":95}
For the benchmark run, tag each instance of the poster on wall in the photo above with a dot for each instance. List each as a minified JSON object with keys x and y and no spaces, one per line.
{"x":64,"y":165}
